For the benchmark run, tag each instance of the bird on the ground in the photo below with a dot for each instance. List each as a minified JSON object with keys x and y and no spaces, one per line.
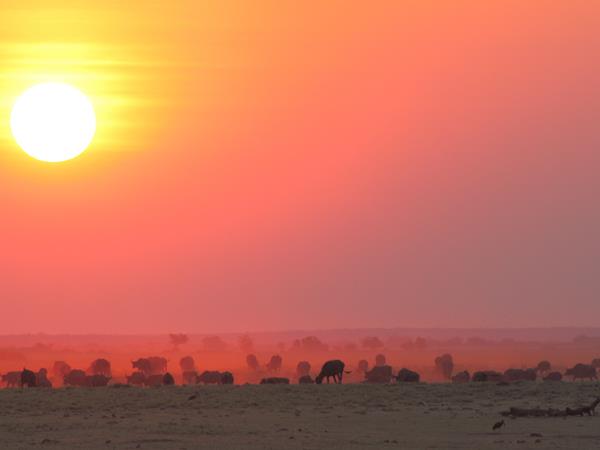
{"x":192,"y":397}
{"x":498,"y":425}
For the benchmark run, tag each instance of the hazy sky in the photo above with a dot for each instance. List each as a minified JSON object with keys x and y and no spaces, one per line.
{"x":276,"y":164}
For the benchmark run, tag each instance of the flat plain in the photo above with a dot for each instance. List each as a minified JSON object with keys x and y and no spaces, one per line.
{"x":350,"y":416}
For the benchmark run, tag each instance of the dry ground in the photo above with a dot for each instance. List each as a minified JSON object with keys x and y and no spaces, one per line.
{"x":425,"y":416}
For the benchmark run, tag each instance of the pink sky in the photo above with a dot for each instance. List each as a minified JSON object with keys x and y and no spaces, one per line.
{"x":387,"y":164}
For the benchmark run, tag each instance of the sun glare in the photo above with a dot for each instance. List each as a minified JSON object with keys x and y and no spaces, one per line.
{"x":53,"y":122}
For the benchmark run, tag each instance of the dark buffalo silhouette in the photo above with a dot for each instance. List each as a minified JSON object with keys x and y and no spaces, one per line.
{"x":363,"y":366}
{"x":380,"y":360}
{"x":379,"y":374}
{"x":252,"y":362}
{"x":210,"y":377}
{"x":190,"y":377}
{"x":461,"y":377}
{"x":581,"y":372}
{"x":28,"y":378}
{"x":306,"y":379}
{"x":274,"y":365}
{"x":168,"y":379}
{"x":487,"y":375}
{"x":136,"y":379}
{"x":331,"y":369}
{"x":100,"y":366}
{"x":275,"y":380}
{"x":553,"y":376}
{"x":154,"y":365}
{"x":511,"y":375}
{"x":444,"y":365}
{"x":60,"y":369}
{"x":187,"y":364}
{"x":303,"y":368}
{"x":97,"y":380}
{"x":226,"y":378}
{"x":41,"y":379}
{"x":408,"y":376}
{"x":75,"y":377}
{"x":12,"y":379}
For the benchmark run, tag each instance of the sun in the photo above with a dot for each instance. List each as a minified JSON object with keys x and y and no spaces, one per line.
{"x":53,"y":122}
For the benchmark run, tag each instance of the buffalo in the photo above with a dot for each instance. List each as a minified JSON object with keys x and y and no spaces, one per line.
{"x":487,"y":375}
{"x":334,"y":369}
{"x":209,"y":377}
{"x":28,"y":378}
{"x":168,"y":379}
{"x":226,"y":378}
{"x":12,"y":379}
{"x":408,"y":376}
{"x":461,"y":377}
{"x":42,"y":379}
{"x":275,"y":380}
{"x":379,"y":374}
{"x":553,"y":376}
{"x":582,"y":371}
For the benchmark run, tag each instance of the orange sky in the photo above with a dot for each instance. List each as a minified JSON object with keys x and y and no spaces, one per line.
{"x":278,"y":164}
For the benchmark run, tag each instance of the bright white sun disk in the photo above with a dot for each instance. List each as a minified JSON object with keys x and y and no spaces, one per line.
{"x":53,"y":122}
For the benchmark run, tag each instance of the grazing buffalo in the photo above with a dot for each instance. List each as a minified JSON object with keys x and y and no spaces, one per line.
{"x":12,"y":379}
{"x":187,"y":364}
{"x":136,"y":379}
{"x":363,"y":366}
{"x":461,"y":377}
{"x":226,"y":378}
{"x":96,"y":380}
{"x":168,"y":379}
{"x":210,"y":377}
{"x":60,"y":369}
{"x":303,"y":368}
{"x":553,"y":376}
{"x":41,"y":379}
{"x":334,"y":368}
{"x":379,"y":374}
{"x":154,"y":365}
{"x":75,"y":377}
{"x":274,"y":365}
{"x":28,"y":378}
{"x":408,"y":376}
{"x":511,"y":375}
{"x":190,"y":377}
{"x":445,"y":365}
{"x":306,"y":379}
{"x":582,"y":371}
{"x":487,"y":375}
{"x":275,"y":380}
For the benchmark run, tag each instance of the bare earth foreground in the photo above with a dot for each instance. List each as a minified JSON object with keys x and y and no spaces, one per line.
{"x":425,"y":416}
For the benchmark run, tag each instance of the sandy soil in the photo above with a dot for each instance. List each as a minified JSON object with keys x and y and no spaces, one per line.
{"x":425,"y":416}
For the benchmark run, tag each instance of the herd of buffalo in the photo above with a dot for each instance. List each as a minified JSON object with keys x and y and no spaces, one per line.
{"x":152,"y":371}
